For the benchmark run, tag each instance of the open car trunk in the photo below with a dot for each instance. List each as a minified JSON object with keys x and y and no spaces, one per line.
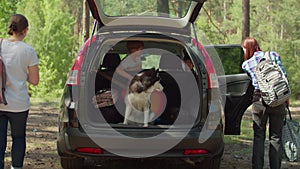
{"x":177,"y":104}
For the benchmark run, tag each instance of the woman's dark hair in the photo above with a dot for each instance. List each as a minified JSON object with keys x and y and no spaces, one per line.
{"x":251,"y":46}
{"x":17,"y":23}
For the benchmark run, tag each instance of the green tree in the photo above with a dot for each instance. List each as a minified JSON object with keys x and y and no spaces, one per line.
{"x":51,"y":35}
{"x":7,"y":8}
{"x":274,"y":23}
{"x":55,"y":31}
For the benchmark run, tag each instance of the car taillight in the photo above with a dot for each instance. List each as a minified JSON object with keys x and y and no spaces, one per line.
{"x":76,"y":68}
{"x":89,"y":150}
{"x":212,"y":75}
{"x":74,"y":75}
{"x":195,"y":151}
{"x":73,"y":78}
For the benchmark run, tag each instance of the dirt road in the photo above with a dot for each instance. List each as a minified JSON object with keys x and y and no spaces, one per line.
{"x":41,"y":143}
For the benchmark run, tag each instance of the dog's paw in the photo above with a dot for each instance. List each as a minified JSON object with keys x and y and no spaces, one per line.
{"x":145,"y":125}
{"x":151,"y":116}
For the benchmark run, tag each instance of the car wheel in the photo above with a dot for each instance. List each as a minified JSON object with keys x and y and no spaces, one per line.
{"x":71,"y":162}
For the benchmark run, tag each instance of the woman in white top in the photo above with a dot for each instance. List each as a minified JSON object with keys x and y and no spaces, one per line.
{"x":133,"y":61}
{"x":21,"y":64}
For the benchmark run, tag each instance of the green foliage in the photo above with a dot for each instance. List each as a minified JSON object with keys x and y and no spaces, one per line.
{"x":7,"y":8}
{"x":54,"y":34}
{"x":275,"y":24}
{"x":50,"y":34}
{"x":144,"y":7}
{"x":221,"y":21}
{"x":151,"y":61}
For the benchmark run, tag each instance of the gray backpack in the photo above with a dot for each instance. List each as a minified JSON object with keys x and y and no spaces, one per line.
{"x":272,"y":82}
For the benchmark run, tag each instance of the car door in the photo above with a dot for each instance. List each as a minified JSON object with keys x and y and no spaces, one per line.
{"x":237,"y":86}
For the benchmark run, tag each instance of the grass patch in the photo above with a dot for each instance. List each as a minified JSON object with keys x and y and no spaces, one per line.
{"x":295,"y":103}
{"x":246,"y":132}
{"x":244,"y":140}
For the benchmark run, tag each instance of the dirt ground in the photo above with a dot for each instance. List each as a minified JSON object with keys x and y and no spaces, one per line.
{"x":42,"y":132}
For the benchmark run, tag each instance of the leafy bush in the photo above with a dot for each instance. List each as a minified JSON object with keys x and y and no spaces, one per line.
{"x":50,"y":34}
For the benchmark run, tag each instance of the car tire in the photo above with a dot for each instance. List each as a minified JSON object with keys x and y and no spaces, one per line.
{"x":71,"y":162}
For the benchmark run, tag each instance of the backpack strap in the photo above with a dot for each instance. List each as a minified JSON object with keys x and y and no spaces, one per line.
{"x":267,"y":55}
{"x":3,"y":75}
{"x":0,"y":46}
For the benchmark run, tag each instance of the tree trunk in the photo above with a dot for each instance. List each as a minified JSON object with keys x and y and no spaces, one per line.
{"x":246,"y":19}
{"x":85,"y":21}
{"x":225,"y":10}
{"x":77,"y":25}
{"x":180,"y":12}
{"x":163,"y":7}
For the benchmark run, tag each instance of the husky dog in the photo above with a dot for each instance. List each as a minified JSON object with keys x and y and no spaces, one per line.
{"x":137,"y":100}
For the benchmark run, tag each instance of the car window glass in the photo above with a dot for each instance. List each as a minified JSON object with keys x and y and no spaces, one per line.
{"x":150,"y":61}
{"x":231,"y":59}
{"x":174,"y":8}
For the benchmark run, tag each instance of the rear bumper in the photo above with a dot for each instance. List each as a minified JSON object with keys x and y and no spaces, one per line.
{"x":72,"y":138}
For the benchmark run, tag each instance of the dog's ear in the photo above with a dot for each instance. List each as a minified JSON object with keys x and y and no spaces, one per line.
{"x":150,"y":73}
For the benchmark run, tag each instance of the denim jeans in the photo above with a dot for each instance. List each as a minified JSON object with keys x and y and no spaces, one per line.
{"x":260,"y":115}
{"x":18,"y":133}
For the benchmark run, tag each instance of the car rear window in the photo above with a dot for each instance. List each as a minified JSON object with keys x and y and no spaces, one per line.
{"x":172,"y":9}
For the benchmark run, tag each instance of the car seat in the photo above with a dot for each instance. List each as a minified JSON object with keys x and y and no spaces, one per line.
{"x":178,"y":88}
{"x":169,"y":66}
{"x":106,"y":71}
{"x":103,"y":82}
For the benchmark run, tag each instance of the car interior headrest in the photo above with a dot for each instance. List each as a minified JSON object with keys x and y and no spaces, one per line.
{"x":170,"y":61}
{"x":111,"y":61}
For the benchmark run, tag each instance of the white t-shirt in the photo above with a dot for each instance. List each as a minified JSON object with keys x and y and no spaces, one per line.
{"x":17,"y":57}
{"x":131,"y":65}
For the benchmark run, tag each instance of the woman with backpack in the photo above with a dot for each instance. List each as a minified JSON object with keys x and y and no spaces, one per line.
{"x":21,"y":65}
{"x":262,"y":112}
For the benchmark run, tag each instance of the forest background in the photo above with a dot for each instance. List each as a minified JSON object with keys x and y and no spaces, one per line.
{"x":56,"y":33}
